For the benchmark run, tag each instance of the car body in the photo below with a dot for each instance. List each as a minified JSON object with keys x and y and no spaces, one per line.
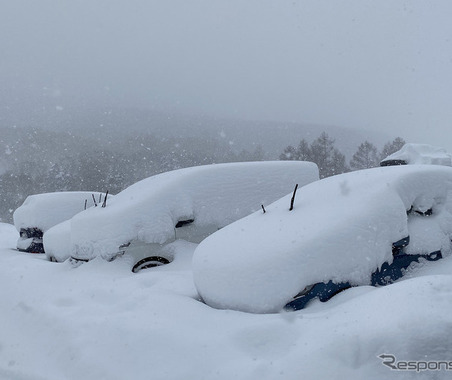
{"x":360,"y":228}
{"x":40,"y":212}
{"x":418,"y":154}
{"x":188,"y":204}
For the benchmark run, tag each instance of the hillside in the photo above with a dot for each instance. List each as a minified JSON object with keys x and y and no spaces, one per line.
{"x":110,"y":125}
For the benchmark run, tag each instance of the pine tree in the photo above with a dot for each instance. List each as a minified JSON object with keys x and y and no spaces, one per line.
{"x":304,"y":151}
{"x":392,"y":147}
{"x":290,"y":153}
{"x":322,"y":152}
{"x":338,"y":164}
{"x":365,"y":157}
{"x":258,"y":154}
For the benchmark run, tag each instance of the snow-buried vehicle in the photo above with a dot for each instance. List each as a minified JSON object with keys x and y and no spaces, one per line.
{"x":418,"y":154}
{"x":359,"y":228}
{"x":40,"y":212}
{"x":185,"y":204}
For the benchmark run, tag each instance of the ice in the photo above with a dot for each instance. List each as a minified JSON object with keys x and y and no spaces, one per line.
{"x":420,"y":154}
{"x":341,"y":229}
{"x":212,"y":196}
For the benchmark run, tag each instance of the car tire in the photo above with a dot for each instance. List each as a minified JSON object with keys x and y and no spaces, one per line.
{"x":149,"y":262}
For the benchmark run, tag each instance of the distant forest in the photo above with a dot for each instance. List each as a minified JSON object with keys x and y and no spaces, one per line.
{"x":331,"y":161}
{"x":34,"y":161}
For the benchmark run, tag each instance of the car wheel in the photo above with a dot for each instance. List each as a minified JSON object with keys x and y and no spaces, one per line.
{"x":149,"y":262}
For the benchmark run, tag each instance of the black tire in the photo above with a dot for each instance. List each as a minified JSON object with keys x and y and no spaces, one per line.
{"x":149,"y":262}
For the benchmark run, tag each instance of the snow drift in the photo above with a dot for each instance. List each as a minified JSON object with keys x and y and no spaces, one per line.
{"x":419,"y":154}
{"x":203,"y":198}
{"x":341,"y":229}
{"x":57,"y":242}
{"x":103,"y":322}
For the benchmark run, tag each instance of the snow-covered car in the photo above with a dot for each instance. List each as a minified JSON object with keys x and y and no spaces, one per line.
{"x":56,"y":242}
{"x":359,"y":228}
{"x":187,"y":204}
{"x":418,"y":154}
{"x":40,"y":212}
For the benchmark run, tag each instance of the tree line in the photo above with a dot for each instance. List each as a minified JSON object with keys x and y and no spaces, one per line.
{"x":36,"y":161}
{"x":331,"y":161}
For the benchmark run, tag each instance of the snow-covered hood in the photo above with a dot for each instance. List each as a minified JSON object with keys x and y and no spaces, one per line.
{"x":341,"y":229}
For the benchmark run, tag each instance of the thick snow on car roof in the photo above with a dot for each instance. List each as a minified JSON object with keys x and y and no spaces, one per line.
{"x":341,"y":229}
{"x":419,"y":154}
{"x":209,"y":195}
{"x":46,"y":210}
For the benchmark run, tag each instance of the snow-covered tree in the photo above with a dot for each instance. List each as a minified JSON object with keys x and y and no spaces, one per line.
{"x":338,"y":164}
{"x":289,"y":154}
{"x":304,"y":151}
{"x":365,"y":157}
{"x":328,"y":158}
{"x":322,"y":152}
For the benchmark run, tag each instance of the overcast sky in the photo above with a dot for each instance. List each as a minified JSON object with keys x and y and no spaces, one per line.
{"x":384,"y":64}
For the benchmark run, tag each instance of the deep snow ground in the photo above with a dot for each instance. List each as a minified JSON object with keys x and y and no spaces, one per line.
{"x":101,"y":321}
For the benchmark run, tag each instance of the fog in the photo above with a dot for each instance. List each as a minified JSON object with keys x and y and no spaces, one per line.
{"x":372,"y":65}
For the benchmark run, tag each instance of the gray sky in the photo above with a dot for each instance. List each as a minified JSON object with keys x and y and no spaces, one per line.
{"x":383,"y":65}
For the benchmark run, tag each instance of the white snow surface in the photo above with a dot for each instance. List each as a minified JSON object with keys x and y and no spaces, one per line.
{"x":46,"y":210}
{"x":422,"y":154}
{"x":102,"y":322}
{"x":211,"y":195}
{"x":341,"y":229}
{"x":57,"y":241}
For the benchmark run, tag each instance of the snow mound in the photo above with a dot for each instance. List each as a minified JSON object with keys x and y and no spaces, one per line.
{"x":419,"y":154}
{"x":8,"y":235}
{"x":341,"y":229}
{"x":103,"y":322}
{"x":46,"y":210}
{"x":205,"y":198}
{"x":57,"y":242}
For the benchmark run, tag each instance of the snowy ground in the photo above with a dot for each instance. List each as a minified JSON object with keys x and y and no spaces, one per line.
{"x":101,"y":321}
